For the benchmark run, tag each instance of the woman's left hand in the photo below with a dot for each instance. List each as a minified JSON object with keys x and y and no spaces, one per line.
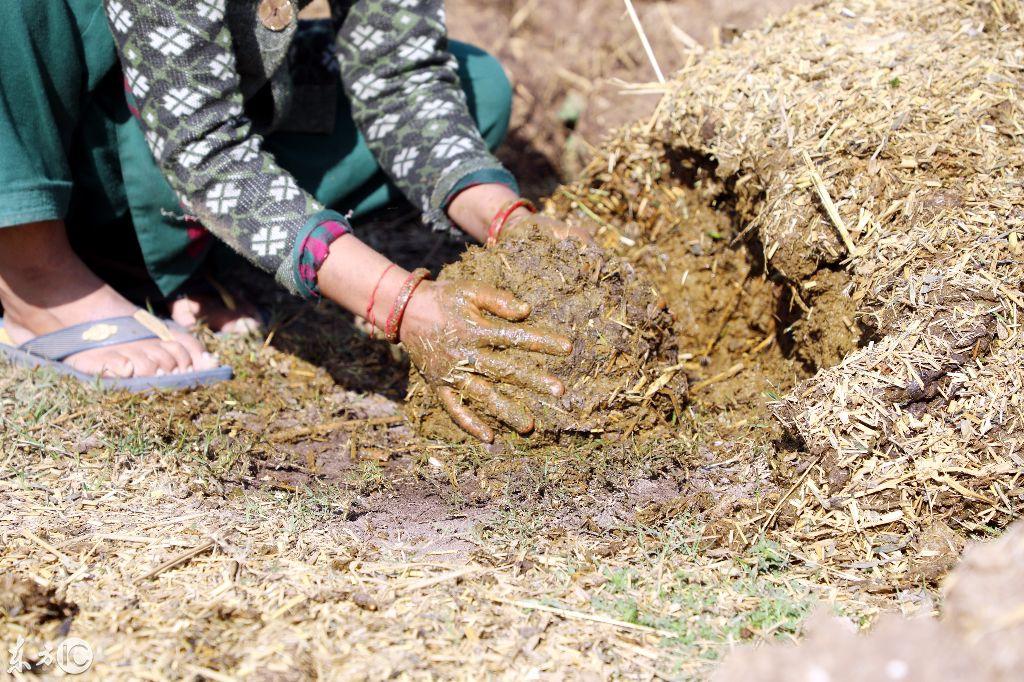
{"x":525,"y":221}
{"x":455,"y":333}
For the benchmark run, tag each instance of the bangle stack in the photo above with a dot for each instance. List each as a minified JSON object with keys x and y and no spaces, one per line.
{"x":502,"y":216}
{"x":394,"y":321}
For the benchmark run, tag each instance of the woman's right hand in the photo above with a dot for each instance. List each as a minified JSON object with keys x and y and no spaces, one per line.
{"x":455,"y":333}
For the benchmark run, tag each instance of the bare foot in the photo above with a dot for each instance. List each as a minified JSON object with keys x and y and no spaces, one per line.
{"x":215,"y":312}
{"x":45,"y":287}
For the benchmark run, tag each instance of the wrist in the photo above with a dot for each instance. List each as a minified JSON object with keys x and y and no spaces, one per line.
{"x":421,"y":313}
{"x":507,"y":215}
{"x":474,"y":208}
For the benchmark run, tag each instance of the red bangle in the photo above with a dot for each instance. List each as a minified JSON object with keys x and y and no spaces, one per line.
{"x":370,"y":317}
{"x":394,"y":321}
{"x":502,"y":216}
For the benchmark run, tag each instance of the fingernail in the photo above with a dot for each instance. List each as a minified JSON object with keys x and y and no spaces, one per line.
{"x":160,"y":372}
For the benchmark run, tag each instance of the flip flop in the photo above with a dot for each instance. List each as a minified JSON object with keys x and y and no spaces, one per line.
{"x":50,"y":350}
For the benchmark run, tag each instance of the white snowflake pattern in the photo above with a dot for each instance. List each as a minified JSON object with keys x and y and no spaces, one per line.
{"x":169,"y":40}
{"x":246,"y":151}
{"x":405,"y":20}
{"x":367,"y":38}
{"x":193,"y":153}
{"x":137,"y":82}
{"x":417,"y":48}
{"x":436,"y":108}
{"x":150,"y":117}
{"x":404,"y":161}
{"x":182,"y":101}
{"x":408,"y":4}
{"x":211,"y":9}
{"x":382,"y":126}
{"x":368,"y":86}
{"x":414,"y":81}
{"x":452,"y":146}
{"x":222,"y":66}
{"x":156,"y":143}
{"x":268,"y":241}
{"x":283,"y":188}
{"x":120,"y":18}
{"x":223,"y":197}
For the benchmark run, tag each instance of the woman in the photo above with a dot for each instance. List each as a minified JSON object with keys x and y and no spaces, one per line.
{"x":175,"y":119}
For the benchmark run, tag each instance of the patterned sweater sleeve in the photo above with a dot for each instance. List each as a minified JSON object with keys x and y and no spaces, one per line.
{"x":404,"y":88}
{"x":180,"y":72}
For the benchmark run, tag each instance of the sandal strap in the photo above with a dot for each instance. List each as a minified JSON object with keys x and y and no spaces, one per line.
{"x":111,"y":331}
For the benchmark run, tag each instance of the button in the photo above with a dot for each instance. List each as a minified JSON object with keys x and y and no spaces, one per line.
{"x":276,"y":14}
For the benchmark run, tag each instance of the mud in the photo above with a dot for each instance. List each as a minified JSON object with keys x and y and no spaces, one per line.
{"x":729,"y":313}
{"x":978,"y":637}
{"x":624,"y":372}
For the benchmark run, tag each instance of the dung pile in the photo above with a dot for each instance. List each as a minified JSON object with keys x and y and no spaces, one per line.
{"x":978,"y":637}
{"x":870,"y":154}
{"x":624,"y":370}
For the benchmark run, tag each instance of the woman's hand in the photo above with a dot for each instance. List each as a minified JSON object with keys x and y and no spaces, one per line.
{"x":522,"y":222}
{"x":454,"y":333}
{"x":475,"y":208}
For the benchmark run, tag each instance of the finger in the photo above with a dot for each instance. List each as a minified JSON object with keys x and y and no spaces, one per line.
{"x":504,"y":370}
{"x":464,"y":418}
{"x":500,"y":303}
{"x":498,"y":406}
{"x":525,"y":338}
{"x":582,"y":234}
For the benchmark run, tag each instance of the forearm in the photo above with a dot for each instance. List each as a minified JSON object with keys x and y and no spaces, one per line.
{"x":351,"y":273}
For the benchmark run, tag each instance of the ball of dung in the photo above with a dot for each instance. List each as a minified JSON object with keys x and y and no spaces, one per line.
{"x":623,"y":373}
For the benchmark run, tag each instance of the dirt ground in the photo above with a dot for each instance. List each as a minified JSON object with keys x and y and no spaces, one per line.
{"x":570,"y":60}
{"x":977,"y":638}
{"x":291,"y":525}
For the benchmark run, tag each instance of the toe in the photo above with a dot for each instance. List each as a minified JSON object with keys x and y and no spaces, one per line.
{"x":119,"y":366}
{"x":182,"y":359}
{"x":105,"y":363}
{"x":185,"y":312}
{"x":242,"y":325}
{"x":144,"y":365}
{"x":165,"y":362}
{"x":194,"y":349}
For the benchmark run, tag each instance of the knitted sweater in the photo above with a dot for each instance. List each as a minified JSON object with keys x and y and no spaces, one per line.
{"x":193,"y":67}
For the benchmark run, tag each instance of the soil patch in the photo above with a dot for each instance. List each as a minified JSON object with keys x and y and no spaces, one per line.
{"x":569,"y":59}
{"x":873,"y":225}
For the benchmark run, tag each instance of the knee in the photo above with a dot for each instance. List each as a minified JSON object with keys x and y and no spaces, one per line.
{"x":488,"y":91}
{"x":496,"y":88}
